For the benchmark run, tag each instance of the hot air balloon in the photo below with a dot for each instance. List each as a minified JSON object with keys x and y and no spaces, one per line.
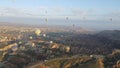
{"x":31,"y":37}
{"x":46,"y":12}
{"x":73,"y":27}
{"x":20,"y":42}
{"x":67,"y":18}
{"x":12,"y":1}
{"x":51,"y":42}
{"x":46,"y":20}
{"x":110,"y":19}
{"x":84,"y":18}
{"x":44,"y":35}
{"x":67,"y":48}
{"x":37,"y":32}
{"x":33,"y":45}
{"x":14,"y":48}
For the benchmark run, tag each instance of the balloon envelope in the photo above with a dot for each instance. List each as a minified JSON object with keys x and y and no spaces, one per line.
{"x":37,"y":32}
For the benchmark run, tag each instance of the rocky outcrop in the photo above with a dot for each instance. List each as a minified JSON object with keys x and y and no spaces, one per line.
{"x":79,"y":62}
{"x":117,"y":65}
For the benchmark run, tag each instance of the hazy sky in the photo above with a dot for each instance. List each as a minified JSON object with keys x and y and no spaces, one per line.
{"x":61,"y":8}
{"x":80,"y":10}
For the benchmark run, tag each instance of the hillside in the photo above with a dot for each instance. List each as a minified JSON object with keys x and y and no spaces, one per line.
{"x":78,"y":62}
{"x":92,"y":61}
{"x":99,"y":43}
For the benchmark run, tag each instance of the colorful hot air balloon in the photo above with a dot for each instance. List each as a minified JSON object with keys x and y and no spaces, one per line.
{"x":37,"y":32}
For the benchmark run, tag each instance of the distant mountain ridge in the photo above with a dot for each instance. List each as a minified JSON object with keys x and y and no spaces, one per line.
{"x":111,"y":34}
